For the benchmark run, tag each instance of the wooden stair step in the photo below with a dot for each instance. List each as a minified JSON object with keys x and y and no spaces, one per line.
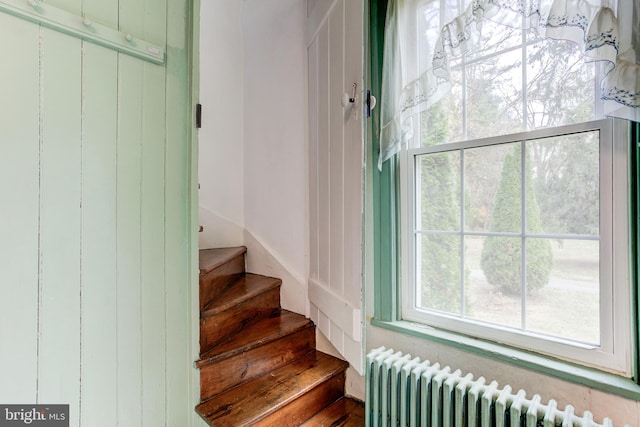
{"x":218,"y":269}
{"x":247,"y":300}
{"x":345,"y":412}
{"x":262,"y":347}
{"x":271,"y":328}
{"x":244,"y":288}
{"x":258,"y":363}
{"x":211,"y":259}
{"x":286,"y":396}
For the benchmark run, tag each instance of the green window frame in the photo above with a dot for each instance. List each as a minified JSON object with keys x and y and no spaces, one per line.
{"x":386,"y":244}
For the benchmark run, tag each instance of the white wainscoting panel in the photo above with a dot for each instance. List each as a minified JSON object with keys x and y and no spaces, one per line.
{"x":335,"y":58}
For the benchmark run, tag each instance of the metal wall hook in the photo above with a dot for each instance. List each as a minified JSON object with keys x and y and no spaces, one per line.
{"x":353,"y":99}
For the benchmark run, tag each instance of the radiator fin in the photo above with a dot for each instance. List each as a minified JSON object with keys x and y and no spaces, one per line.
{"x":406,"y":392}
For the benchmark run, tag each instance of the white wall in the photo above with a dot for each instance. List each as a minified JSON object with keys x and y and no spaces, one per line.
{"x":253,"y":140}
{"x":221,"y":171}
{"x":275,"y":126}
{"x":275,"y":114}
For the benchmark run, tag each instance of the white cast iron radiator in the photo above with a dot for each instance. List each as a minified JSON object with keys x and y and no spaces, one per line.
{"x":402,"y":391}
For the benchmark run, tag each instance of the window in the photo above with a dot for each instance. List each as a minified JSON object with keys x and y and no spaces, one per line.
{"x":523,"y":239}
{"x":515,"y":200}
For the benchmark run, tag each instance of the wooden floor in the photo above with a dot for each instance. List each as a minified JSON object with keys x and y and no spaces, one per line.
{"x":258,"y":362}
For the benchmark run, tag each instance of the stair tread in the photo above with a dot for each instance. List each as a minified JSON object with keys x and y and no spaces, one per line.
{"x":244,"y":288}
{"x":264,"y":395}
{"x":345,"y":412}
{"x":269,"y":329}
{"x":213,"y":258}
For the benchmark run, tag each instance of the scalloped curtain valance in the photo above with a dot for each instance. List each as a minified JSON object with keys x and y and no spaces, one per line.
{"x":416,"y":73}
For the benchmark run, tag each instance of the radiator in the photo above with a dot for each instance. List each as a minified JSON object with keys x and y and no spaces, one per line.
{"x":403,"y":391}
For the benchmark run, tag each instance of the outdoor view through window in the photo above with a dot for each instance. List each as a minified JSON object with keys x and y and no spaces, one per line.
{"x":510,"y":196}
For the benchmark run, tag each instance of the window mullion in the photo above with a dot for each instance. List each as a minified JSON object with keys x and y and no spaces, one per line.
{"x":523,"y":172}
{"x":417,"y":242}
{"x":523,"y":225}
{"x":462,"y":251}
{"x":523,"y":35}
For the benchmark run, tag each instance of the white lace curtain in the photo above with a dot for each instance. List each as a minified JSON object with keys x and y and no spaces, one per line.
{"x":416,"y":72}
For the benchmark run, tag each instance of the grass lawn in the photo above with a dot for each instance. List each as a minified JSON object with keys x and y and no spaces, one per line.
{"x":567,"y":307}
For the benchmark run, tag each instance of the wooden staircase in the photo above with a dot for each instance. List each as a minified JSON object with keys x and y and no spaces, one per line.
{"x":258,"y":363}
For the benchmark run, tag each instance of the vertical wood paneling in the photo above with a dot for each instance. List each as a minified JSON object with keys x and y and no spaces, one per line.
{"x":155,"y":21}
{"x":153,"y":295}
{"x":335,"y":167}
{"x":337,"y":86}
{"x":73,"y":6}
{"x":98,"y":399}
{"x":314,"y":313}
{"x":324,"y":324}
{"x":96,"y":234}
{"x":352,"y":350}
{"x":353,"y":157}
{"x":99,"y":315}
{"x":313,"y":158}
{"x":323,"y":155}
{"x":129,"y":324}
{"x":19,"y":181}
{"x":336,"y":335}
{"x":105,"y":11}
{"x":180,"y":232}
{"x":59,"y":341}
{"x":152,"y":223}
{"x":129,"y":234}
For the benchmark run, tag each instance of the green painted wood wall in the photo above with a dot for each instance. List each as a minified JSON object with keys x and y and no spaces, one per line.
{"x":96,"y":233}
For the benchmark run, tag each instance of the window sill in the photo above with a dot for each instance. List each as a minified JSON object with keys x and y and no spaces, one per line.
{"x":593,"y":378}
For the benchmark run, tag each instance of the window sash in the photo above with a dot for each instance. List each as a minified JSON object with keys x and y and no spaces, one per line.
{"x":615,"y":294}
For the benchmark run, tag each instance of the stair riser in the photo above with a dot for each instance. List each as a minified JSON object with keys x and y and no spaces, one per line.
{"x":214,"y":282}
{"x":307,"y":405}
{"x":219,"y":327}
{"x":221,"y":375}
{"x":253,"y":401}
{"x":258,"y":363}
{"x":345,"y":412}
